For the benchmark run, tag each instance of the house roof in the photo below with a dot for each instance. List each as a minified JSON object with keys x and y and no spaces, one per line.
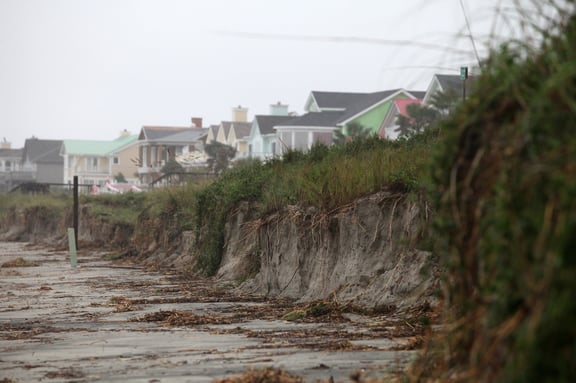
{"x":366,"y":102}
{"x":156,"y":132}
{"x":241,"y":129}
{"x":335,"y":100}
{"x":171,"y":133}
{"x":11,"y":153}
{"x":402,"y":104}
{"x":226,"y":125}
{"x":185,"y":136}
{"x":419,"y":94}
{"x":42,"y":151}
{"x":449,"y":83}
{"x":266,"y":123}
{"x":320,"y":119}
{"x":97,"y":148}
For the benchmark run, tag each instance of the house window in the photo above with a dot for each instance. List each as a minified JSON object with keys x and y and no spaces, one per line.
{"x":300,"y":141}
{"x":116,"y":160}
{"x":274,"y":148}
{"x":323,"y":138}
{"x":7,"y":165}
{"x":92,"y":164}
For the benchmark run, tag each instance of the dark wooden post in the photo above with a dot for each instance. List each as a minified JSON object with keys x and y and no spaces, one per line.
{"x":75,"y":213}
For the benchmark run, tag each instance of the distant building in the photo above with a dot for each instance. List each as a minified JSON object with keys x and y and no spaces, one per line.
{"x":10,"y":164}
{"x":158,"y":145}
{"x":95,"y":162}
{"x":41,"y":161}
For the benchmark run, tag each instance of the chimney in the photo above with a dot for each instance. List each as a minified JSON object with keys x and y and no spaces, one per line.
{"x":5,"y":144}
{"x":124,"y":133}
{"x":279,"y":109}
{"x":196,"y":122}
{"x":239,"y":114}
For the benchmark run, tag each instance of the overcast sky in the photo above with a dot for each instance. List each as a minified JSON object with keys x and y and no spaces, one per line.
{"x":88,"y":69}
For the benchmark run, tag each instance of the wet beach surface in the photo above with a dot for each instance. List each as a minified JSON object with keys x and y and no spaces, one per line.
{"x":112,"y":321}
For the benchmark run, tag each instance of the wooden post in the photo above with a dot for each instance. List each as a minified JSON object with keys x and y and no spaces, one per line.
{"x":75,"y":213}
{"x":72,"y":247}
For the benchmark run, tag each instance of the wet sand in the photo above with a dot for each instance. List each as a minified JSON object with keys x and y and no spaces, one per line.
{"x":106,"y":321}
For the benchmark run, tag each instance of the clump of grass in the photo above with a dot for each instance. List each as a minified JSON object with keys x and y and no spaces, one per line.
{"x":115,"y":208}
{"x":50,"y":202}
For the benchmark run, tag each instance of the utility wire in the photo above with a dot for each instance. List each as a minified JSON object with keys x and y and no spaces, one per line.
{"x":470,"y":31}
{"x":345,"y":39}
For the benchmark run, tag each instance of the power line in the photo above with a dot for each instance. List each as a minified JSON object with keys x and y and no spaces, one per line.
{"x":345,"y":39}
{"x":470,"y":31}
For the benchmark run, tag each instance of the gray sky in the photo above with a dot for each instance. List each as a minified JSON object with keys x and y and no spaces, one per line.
{"x":87,"y":69}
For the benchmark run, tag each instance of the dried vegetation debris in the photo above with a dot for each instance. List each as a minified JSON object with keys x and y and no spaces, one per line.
{"x":182,"y":318}
{"x":263,"y":375}
{"x":19,"y":262}
{"x":9,"y":331}
{"x":65,"y":373}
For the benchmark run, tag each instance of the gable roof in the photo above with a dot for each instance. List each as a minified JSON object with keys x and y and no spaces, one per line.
{"x":42,"y":151}
{"x":185,"y":136}
{"x":449,"y":83}
{"x":401,"y":104}
{"x":241,"y":129}
{"x":266,"y":123}
{"x":319,"y":119}
{"x":369,"y":101}
{"x":334,"y":100}
{"x":171,"y":134}
{"x":225,"y":126}
{"x":97,"y":148}
{"x":155,"y":132}
{"x":419,"y":94}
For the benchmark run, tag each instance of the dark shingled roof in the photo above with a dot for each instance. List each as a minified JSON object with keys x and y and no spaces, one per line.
{"x":365,"y":102}
{"x":185,"y":136}
{"x":242,"y":129}
{"x":155,"y":132}
{"x":450,"y":83}
{"x":266,"y":123}
{"x":9,"y":152}
{"x":336,"y":100}
{"x":42,"y":151}
{"x":326,"y":119}
{"x":419,"y":94}
{"x":169,"y":133}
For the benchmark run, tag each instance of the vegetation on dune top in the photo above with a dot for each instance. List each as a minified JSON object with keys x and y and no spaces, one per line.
{"x":325,"y":177}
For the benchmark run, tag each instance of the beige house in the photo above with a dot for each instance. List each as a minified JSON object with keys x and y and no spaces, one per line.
{"x":233,"y":132}
{"x":158,"y":145}
{"x":96,"y":162}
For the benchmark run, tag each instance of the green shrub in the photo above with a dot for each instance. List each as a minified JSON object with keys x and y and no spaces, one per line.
{"x":506,"y":221}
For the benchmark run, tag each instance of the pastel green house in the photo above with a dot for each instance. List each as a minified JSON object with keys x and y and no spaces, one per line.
{"x":328,"y":112}
{"x":372,"y":112}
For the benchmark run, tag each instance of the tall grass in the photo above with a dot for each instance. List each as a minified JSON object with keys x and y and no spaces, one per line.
{"x":115,"y":208}
{"x":23,"y":201}
{"x":506,"y":220}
